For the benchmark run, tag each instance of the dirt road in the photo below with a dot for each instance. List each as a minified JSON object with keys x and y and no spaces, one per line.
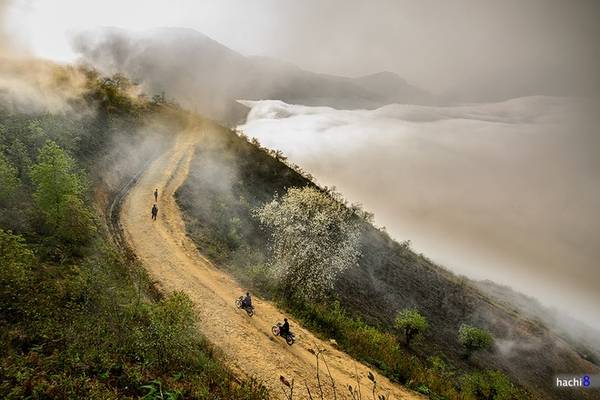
{"x":247,"y":343}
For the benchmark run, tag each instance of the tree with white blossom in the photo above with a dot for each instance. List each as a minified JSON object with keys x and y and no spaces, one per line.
{"x":313,"y":237}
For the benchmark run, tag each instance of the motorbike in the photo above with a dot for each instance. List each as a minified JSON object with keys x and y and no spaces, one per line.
{"x":240,"y":304}
{"x":290,"y":337}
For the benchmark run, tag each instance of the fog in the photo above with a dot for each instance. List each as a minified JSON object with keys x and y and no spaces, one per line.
{"x":506,"y":191}
{"x":29,"y":84}
{"x":466,"y":49}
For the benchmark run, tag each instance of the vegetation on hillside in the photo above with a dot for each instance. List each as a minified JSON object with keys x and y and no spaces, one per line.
{"x":81,"y":319}
{"x":232,"y":184}
{"x":78,"y":319}
{"x":411,"y":323}
{"x":474,"y":339}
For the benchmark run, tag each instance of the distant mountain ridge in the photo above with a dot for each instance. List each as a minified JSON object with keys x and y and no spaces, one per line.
{"x":212,"y":76}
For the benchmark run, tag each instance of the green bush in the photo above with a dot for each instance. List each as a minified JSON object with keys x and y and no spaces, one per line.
{"x":167,"y":334}
{"x":487,"y":385}
{"x":411,"y":323}
{"x":474,"y":339}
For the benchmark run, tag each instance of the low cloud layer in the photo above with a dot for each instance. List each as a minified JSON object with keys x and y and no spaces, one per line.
{"x":506,"y":191}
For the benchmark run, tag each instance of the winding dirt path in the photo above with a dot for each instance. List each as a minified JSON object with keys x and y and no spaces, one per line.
{"x":248,"y":346}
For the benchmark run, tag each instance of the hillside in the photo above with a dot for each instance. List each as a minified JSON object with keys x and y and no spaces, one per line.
{"x":213,"y":76}
{"x":231,"y":177}
{"x":68,"y":276}
{"x":246,"y":344}
{"x":79,"y":317}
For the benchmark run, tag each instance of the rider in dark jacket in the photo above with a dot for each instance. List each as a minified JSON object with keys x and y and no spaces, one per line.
{"x":247,"y":301}
{"x":285,"y":328}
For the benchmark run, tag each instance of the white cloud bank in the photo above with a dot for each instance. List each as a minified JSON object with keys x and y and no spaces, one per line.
{"x":506,"y":191}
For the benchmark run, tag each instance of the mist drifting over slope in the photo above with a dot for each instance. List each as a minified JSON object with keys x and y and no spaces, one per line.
{"x":208,"y":77}
{"x":505,"y":191}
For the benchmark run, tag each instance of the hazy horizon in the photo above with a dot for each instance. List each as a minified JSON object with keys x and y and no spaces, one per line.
{"x":469,"y":50}
{"x":498,"y":191}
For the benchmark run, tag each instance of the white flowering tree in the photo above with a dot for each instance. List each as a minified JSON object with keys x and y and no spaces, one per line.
{"x":313,"y":239}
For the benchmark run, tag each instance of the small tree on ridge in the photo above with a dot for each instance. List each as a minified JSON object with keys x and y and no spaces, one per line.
{"x":474,"y":339}
{"x":412,"y":323}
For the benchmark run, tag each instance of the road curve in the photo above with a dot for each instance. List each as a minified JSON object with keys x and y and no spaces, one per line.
{"x":247,"y":344}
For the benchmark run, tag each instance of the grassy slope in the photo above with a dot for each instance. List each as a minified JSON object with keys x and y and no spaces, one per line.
{"x":81,"y":320}
{"x":230,"y":177}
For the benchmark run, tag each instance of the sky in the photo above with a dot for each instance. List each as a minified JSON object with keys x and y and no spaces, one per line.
{"x":476,"y":49}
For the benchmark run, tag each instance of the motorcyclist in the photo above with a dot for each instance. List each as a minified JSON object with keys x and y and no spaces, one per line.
{"x":284,"y":331}
{"x":247,"y":301}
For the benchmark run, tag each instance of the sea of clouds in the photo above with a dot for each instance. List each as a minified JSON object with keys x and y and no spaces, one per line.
{"x":505,"y":191}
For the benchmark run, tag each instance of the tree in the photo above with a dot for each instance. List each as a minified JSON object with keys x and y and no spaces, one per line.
{"x":412,"y":323}
{"x":15,"y":266}
{"x":314,"y":238}
{"x":487,"y":385}
{"x":474,"y":339}
{"x":59,"y":193}
{"x":9,"y":181}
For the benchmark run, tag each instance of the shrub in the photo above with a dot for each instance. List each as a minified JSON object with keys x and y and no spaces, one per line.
{"x":412,"y":323}
{"x":166,"y":331}
{"x":474,"y":339}
{"x":487,"y":385}
{"x":259,"y":277}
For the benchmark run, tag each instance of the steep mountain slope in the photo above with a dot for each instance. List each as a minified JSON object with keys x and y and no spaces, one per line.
{"x":231,"y":177}
{"x":208,"y":77}
{"x":247,"y":343}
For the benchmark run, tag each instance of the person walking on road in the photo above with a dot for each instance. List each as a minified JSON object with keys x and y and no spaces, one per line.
{"x":155,"y":195}
{"x":154,"y":212}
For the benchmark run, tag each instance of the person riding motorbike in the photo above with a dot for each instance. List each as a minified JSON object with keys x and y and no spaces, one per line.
{"x":284,"y":330}
{"x":247,"y":301}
